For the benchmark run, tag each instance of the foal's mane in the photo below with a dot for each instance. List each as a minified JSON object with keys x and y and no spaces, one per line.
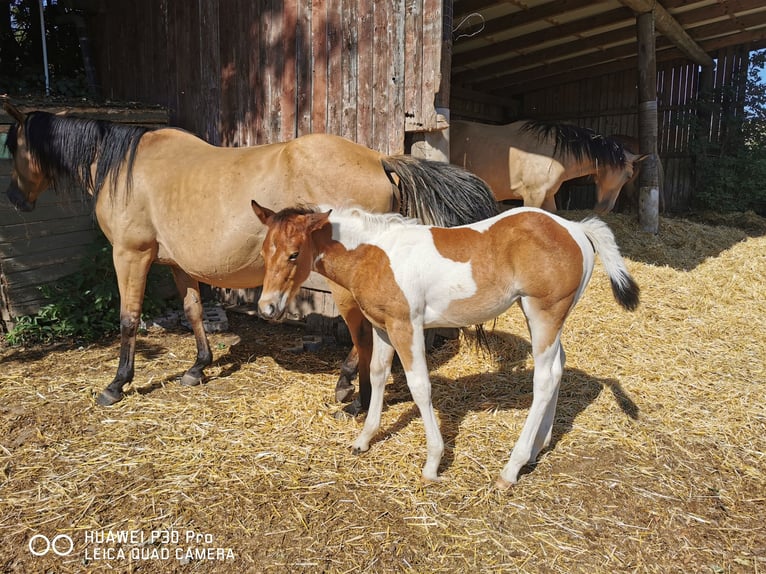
{"x":65,"y":148}
{"x":578,"y":142}
{"x":371,"y":222}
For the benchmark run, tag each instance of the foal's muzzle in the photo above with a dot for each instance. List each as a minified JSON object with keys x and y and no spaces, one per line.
{"x":271,"y":308}
{"x":17,"y":198}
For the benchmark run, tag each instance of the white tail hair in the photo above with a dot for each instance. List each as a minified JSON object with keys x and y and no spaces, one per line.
{"x":624,"y":287}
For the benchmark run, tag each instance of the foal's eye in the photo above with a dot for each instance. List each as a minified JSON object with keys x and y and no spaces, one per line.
{"x":293,"y":256}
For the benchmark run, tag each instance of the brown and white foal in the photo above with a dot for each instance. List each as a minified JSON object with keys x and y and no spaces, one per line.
{"x":407,"y":277}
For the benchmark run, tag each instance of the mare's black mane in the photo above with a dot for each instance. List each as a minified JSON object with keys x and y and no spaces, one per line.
{"x":66,"y":147}
{"x":579,"y":142}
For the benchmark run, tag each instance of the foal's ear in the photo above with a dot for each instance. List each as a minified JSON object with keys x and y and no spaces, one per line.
{"x":13,"y":111}
{"x":318,"y":220}
{"x":263,"y":213}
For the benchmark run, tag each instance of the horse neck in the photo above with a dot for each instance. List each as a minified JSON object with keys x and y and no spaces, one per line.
{"x":580,"y":167}
{"x":331,"y":257}
{"x":335,"y":248}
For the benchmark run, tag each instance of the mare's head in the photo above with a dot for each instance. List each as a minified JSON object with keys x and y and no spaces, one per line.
{"x":68,"y":153}
{"x":28,"y":180}
{"x":288,"y":254}
{"x":611,"y":177}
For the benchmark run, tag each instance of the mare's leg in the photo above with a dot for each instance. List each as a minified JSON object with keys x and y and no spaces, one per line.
{"x":361,"y":335}
{"x":549,"y":203}
{"x":545,"y":330}
{"x":380,"y":369}
{"x":188,"y":288}
{"x":131,"y":268}
{"x":344,"y":388}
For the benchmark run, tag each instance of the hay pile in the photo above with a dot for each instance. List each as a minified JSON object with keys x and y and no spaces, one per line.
{"x":658,"y":462}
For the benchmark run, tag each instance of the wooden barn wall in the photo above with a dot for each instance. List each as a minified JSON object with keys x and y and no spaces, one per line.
{"x":244,"y":72}
{"x":608,"y":104}
{"x":50,"y":242}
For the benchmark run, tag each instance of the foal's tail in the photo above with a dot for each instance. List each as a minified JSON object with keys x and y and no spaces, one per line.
{"x":624,"y":287}
{"x":439,"y":193}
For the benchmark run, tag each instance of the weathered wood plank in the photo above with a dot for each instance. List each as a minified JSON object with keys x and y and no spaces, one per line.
{"x":288,"y":128}
{"x":350,"y":66}
{"x":365,"y":71}
{"x":320,"y":64}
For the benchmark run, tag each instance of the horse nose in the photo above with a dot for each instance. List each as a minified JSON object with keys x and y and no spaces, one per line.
{"x":267,"y":310}
{"x":18,"y":200}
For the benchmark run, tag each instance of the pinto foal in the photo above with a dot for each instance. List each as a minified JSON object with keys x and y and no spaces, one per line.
{"x":408,"y":277}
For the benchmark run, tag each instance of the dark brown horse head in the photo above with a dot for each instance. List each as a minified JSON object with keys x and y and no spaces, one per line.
{"x":27,"y":179}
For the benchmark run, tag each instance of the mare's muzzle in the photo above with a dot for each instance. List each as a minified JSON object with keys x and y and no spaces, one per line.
{"x":17,"y":198}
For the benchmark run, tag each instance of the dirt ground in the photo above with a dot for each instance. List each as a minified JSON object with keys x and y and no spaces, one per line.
{"x":658,"y":462}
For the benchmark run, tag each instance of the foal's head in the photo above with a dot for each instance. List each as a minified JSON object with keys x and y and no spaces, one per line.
{"x":287,"y":253}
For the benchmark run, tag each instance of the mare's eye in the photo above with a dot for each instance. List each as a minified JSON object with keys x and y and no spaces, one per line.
{"x":293,"y":256}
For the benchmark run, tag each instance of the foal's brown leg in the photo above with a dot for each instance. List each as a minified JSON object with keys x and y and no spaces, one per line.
{"x":131,"y":268}
{"x":188,"y":288}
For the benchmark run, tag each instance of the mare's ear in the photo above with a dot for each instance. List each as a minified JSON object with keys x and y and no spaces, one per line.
{"x":13,"y":111}
{"x":318,"y":220}
{"x":263,"y":213}
{"x":635,"y":158}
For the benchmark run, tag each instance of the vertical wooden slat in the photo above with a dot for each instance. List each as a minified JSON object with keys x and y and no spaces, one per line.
{"x":231,"y":69}
{"x":365,"y":78}
{"x":209,"y":72}
{"x":395,"y":141}
{"x":432,"y":38}
{"x":350,"y":65}
{"x":383,"y":35}
{"x":413,"y":64}
{"x":319,"y":68}
{"x":288,"y":125}
{"x":334,"y":67}
{"x":305,"y":64}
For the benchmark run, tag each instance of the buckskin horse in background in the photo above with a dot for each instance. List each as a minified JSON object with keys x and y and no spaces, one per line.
{"x":530,"y":160}
{"x":408,"y":277}
{"x":166,"y":196}
{"x":627,"y":201}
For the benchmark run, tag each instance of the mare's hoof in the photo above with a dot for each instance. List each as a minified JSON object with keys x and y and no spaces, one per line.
{"x":355,"y":408}
{"x":189,"y":380}
{"x":107,"y":398}
{"x":343,"y":393}
{"x":502,"y":484}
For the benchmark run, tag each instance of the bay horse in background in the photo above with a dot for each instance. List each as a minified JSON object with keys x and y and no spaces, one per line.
{"x":529,"y":160}
{"x":166,"y":196}
{"x":409,"y":277}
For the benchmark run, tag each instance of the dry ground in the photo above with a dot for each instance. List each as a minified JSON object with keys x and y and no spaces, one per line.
{"x":658,"y":462}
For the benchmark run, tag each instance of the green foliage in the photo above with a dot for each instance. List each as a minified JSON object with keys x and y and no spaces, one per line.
{"x":733,"y":182}
{"x":21,"y":64}
{"x":85,"y":305}
{"x":731,"y":175}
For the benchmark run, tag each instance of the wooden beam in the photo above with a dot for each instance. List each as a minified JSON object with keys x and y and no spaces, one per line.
{"x":669,"y":27}
{"x":649,"y":189}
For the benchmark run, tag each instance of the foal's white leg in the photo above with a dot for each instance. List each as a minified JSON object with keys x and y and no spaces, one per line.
{"x":536,"y":433}
{"x":380,"y":369}
{"x":410,"y":343}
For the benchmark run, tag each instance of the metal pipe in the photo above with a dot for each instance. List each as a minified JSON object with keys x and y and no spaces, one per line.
{"x":45,"y":50}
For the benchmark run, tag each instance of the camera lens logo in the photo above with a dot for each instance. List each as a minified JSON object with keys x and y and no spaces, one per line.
{"x":61,"y":545}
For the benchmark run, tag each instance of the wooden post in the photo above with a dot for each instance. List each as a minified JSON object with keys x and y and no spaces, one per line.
{"x":649,"y":181}
{"x":434,"y":145}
